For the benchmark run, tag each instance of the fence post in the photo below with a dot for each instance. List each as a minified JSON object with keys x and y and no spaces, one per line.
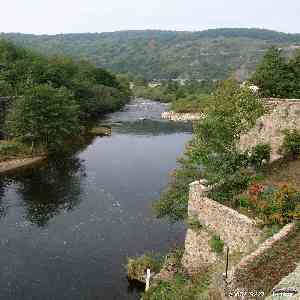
{"x":148,"y":276}
{"x":227,"y":262}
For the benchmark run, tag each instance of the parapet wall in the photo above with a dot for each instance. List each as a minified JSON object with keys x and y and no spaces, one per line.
{"x":284,"y":114}
{"x":288,"y":288}
{"x":259,"y":270}
{"x":237,"y":231}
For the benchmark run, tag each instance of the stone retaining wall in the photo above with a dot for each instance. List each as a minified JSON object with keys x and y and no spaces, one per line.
{"x":283,"y":115}
{"x":290,"y":283}
{"x":238,"y":232}
{"x":244,"y":277}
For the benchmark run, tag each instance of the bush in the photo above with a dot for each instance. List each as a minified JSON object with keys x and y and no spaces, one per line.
{"x":194,"y":224}
{"x":233,"y":185}
{"x":242,"y":201}
{"x":173,"y":202}
{"x":137,"y":267}
{"x":259,"y":154}
{"x":276,"y":205}
{"x":291,"y":144}
{"x":216,"y":244}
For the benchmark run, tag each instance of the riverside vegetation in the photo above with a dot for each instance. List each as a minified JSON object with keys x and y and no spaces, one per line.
{"x":236,"y":177}
{"x":190,"y":96}
{"x":52,"y":100}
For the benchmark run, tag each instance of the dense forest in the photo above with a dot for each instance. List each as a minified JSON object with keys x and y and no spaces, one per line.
{"x":209,"y":54}
{"x":52,"y":99}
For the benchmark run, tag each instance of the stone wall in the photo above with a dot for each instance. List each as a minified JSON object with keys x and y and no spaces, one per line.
{"x":237,"y":231}
{"x":283,"y":114}
{"x":258,"y":271}
{"x":289,"y":286}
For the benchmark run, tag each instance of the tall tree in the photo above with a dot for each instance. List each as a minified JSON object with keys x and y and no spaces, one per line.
{"x":44,"y":115}
{"x":271,"y":73}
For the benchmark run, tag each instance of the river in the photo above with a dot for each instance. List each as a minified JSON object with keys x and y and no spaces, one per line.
{"x":68,"y":226}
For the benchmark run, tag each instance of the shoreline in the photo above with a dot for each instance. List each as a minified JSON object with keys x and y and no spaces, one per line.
{"x":18,"y":163}
{"x":181,"y":117}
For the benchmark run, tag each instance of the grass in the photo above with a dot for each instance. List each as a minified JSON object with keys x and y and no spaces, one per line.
{"x":181,"y":287}
{"x":137,"y":266}
{"x":216,"y":244}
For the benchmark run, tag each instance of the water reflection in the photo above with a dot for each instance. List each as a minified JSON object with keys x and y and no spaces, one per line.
{"x":49,"y":190}
{"x":68,"y":226}
{"x":2,"y":193}
{"x":150,"y":127}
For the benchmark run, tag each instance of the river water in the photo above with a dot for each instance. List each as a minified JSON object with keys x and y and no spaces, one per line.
{"x":68,"y":226}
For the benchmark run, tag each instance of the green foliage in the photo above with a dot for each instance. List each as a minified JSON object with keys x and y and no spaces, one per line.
{"x":291,"y":144}
{"x":275,"y":205}
{"x":241,"y":202}
{"x":213,"y":153}
{"x":234,"y":111}
{"x":192,"y":103}
{"x":52,"y":98}
{"x":44,"y":115}
{"x":137,"y":267}
{"x":260,"y":154}
{"x":96,"y":90}
{"x":192,"y":96}
{"x":13,"y":149}
{"x":173,"y":201}
{"x":278,"y":77}
{"x":194,"y":224}
{"x":179,"y":288}
{"x":216,"y":244}
{"x":209,"y":54}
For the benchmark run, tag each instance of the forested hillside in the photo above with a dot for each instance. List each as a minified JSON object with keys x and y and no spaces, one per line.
{"x":52,"y":99}
{"x":210,"y":54}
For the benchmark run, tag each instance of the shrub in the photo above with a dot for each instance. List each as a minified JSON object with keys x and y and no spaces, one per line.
{"x":232,"y":186}
{"x":216,"y":244}
{"x":194,"y":224}
{"x":275,"y":205}
{"x":136,"y":267}
{"x":291,"y":144}
{"x":173,"y":202}
{"x":259,"y":154}
{"x":242,"y":201}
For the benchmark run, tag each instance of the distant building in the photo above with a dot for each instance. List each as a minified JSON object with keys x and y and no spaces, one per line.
{"x":154,"y":84}
{"x":254,"y":88}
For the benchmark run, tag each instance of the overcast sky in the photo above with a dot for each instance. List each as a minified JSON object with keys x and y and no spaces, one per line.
{"x":66,"y":16}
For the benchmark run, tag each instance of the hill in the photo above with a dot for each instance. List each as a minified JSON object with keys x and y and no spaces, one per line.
{"x":209,"y":54}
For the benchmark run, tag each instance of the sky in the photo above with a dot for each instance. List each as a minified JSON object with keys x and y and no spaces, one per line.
{"x":71,"y":16}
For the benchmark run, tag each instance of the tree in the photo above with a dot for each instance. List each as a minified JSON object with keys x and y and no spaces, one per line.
{"x":272,"y":75}
{"x":233,"y":111}
{"x":294,"y":67}
{"x":213,"y":153}
{"x":45,"y":116}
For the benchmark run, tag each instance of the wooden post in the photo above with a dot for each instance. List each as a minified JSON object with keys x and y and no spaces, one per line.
{"x":227,"y":261}
{"x":148,"y":276}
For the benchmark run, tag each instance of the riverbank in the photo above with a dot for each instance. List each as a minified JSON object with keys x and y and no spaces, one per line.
{"x":181,"y":117}
{"x":14,"y":164}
